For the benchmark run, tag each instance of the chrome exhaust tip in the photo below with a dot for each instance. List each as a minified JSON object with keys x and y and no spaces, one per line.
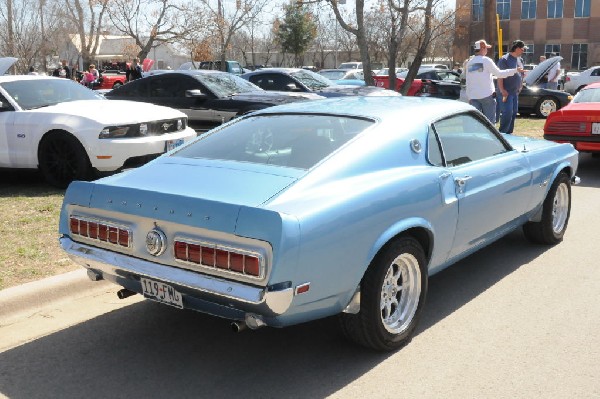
{"x":125,"y":293}
{"x":238,"y":327}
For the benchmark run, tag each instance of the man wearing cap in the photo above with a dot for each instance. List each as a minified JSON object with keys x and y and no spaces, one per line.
{"x":480,"y":84}
{"x":510,"y":87}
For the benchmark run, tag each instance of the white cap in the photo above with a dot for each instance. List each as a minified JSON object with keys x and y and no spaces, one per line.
{"x":479,"y":44}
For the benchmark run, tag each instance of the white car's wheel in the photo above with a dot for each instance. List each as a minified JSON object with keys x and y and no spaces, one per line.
{"x":63,"y":159}
{"x":555,"y":214}
{"x":393,"y":292}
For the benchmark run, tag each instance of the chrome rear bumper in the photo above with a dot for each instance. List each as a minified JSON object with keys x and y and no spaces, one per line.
{"x":126,"y":271}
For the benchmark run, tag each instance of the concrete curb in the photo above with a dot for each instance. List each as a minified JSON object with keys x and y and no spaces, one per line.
{"x":38,"y":294}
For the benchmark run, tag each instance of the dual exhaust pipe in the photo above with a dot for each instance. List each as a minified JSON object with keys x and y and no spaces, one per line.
{"x":251,"y":321}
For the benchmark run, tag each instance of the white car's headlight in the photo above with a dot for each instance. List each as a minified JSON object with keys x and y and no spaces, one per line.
{"x":112,"y":132}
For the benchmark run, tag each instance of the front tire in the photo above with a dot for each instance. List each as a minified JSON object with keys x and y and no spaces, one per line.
{"x":546,"y":106}
{"x":63,"y":159}
{"x":555,"y":214}
{"x":393,"y":292}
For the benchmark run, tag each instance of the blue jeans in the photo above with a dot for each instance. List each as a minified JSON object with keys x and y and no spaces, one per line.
{"x":508,"y":113}
{"x":487,"y":106}
{"x":552,"y":85}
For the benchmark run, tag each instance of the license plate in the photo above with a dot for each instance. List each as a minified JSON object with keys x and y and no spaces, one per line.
{"x":174,"y":144}
{"x":595,"y":128}
{"x":161,"y":292}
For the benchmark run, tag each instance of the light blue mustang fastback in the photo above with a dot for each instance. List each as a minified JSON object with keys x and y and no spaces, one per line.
{"x":307,"y":210}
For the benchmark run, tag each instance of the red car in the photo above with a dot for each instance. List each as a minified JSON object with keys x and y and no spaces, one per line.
{"x":383,"y":81}
{"x":578,"y":122}
{"x":110,"y":80}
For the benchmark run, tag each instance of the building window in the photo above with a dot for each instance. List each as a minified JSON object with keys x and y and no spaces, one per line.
{"x":477,"y":10}
{"x":579,"y":58}
{"x":527,"y":56}
{"x":555,"y":8}
{"x":503,"y":9}
{"x":582,"y":8}
{"x":528,"y":9}
{"x":551,"y":50}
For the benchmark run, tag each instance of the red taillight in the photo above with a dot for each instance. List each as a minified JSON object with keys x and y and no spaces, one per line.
{"x":208,"y":256}
{"x":218,"y":258}
{"x":566,"y":127}
{"x":222,"y":259}
{"x":74,"y":224}
{"x":194,"y":253}
{"x":123,"y":238}
{"x":103,"y":232}
{"x":96,"y":230}
{"x":252,"y":266}
{"x":236,"y":262}
{"x":181,"y":250}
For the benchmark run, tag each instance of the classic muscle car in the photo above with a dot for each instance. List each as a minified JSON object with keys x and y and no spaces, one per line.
{"x":297,"y":212}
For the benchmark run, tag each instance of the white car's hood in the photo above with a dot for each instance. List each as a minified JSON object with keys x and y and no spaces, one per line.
{"x":113,"y":111}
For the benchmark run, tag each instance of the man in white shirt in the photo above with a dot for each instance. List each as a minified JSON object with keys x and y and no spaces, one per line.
{"x":553,"y":77}
{"x":480,"y":84}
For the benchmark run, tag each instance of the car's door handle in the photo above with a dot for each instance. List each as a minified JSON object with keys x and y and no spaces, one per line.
{"x":461,"y":182}
{"x":445,"y":175}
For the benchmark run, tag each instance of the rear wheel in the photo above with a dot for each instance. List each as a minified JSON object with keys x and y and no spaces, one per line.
{"x":63,"y":159}
{"x":555,"y":214}
{"x":117,"y":84}
{"x":546,"y":106}
{"x":393,"y":293}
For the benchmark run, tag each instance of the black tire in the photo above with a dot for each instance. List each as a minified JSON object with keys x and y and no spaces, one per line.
{"x":400,"y":264}
{"x":545,"y":106}
{"x":117,"y":84}
{"x":63,"y":159}
{"x":555,"y":214}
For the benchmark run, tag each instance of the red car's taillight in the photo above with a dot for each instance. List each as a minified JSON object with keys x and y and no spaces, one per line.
{"x":566,"y":126}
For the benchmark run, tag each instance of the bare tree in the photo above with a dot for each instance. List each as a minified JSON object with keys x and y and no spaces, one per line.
{"x":151,"y":23}
{"x":359,"y":30}
{"x":225,"y":22}
{"x":30,"y":33}
{"x":86,"y":17}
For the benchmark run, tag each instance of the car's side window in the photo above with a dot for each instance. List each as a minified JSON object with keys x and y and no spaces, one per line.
{"x":164,"y":86}
{"x":434,"y":152}
{"x":595,"y":72}
{"x":136,"y":88}
{"x":5,"y":105}
{"x":465,"y":138}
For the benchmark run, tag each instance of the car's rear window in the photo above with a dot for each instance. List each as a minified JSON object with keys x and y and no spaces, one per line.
{"x":588,"y":96}
{"x":293,"y":140}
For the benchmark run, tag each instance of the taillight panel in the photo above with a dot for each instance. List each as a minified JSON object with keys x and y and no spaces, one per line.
{"x":101,"y":231}
{"x":567,"y":126}
{"x":212,"y":256}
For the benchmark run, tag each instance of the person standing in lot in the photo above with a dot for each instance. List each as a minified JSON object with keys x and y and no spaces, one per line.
{"x":480,"y":84}
{"x":553,"y":76}
{"x":63,"y":71}
{"x":134,"y":71}
{"x":510,"y":87}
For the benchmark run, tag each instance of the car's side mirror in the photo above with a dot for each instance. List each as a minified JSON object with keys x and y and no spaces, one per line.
{"x":195,"y":93}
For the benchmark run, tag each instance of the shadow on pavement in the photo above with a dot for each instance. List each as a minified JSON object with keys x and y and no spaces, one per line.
{"x":151,"y":350}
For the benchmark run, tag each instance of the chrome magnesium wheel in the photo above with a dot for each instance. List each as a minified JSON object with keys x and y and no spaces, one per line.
{"x":400,"y":293}
{"x":560,"y":208}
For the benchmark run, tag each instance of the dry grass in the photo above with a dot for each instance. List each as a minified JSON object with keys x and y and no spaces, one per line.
{"x":29,"y":212}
